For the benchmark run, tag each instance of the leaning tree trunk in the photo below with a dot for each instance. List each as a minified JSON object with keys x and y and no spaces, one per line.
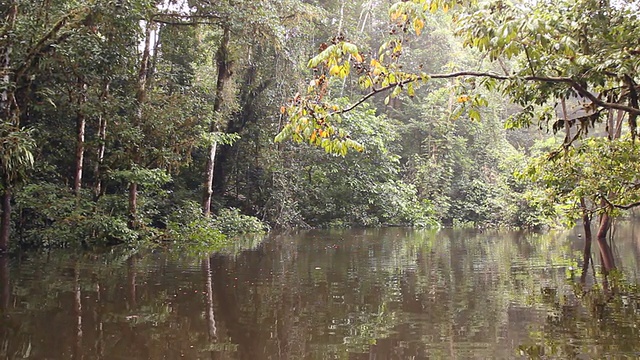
{"x":223,"y":64}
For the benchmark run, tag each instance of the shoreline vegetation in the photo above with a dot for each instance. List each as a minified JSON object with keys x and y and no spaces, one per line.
{"x":147,"y":120}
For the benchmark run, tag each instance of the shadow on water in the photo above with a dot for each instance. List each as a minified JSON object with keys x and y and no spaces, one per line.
{"x":348,"y":294}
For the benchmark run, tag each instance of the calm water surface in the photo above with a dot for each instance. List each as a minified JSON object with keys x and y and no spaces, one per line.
{"x":354,"y":294}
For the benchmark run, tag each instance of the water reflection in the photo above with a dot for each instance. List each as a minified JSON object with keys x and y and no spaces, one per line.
{"x":356,"y":294}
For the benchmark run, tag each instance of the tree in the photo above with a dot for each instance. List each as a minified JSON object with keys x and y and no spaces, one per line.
{"x":562,"y":51}
{"x":23,"y":49}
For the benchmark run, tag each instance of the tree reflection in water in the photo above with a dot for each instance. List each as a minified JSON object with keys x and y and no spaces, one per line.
{"x":353,"y":294}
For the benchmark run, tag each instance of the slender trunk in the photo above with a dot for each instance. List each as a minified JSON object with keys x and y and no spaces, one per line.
{"x":102,"y":131}
{"x":619,"y":122}
{"x":567,"y":126}
{"x":588,"y":237}
{"x":223,"y":64}
{"x":77,"y":183}
{"x":81,"y":122}
{"x":208,"y":183}
{"x":102,"y":139}
{"x":133,"y":205}
{"x":5,"y":219}
{"x":633,"y":102}
{"x":606,"y":254}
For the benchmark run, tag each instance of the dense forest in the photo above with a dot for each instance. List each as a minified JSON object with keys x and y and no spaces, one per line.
{"x":133,"y":120}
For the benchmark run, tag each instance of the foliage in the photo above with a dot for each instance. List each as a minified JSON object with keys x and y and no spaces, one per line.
{"x":17,"y":147}
{"x":231,"y":222}
{"x":599,"y":170}
{"x":358,"y":189}
{"x":187,"y":226}
{"x":49,"y":216}
{"x":85,"y":102}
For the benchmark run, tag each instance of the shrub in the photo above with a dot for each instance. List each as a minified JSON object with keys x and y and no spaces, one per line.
{"x":231,"y":222}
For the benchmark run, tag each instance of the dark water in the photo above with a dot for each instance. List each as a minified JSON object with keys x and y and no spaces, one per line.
{"x":355,"y":294}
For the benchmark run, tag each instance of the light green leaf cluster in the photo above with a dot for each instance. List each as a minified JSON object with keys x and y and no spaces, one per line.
{"x":597,"y":170}
{"x":16,"y":153}
{"x":142,"y":176}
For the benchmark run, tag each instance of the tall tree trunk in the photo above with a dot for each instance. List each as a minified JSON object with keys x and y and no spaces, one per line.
{"x":102,"y":138}
{"x":208,"y":182}
{"x":81,"y":122}
{"x":133,"y":205}
{"x":223,"y":65}
{"x":141,"y":95}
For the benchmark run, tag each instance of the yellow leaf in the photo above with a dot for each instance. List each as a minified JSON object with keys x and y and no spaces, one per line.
{"x":358,"y":57}
{"x":463,"y":98}
{"x":335,"y":70}
{"x":418,"y":25}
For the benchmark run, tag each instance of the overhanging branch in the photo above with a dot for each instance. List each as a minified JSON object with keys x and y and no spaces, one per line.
{"x":548,"y":79}
{"x":618,"y":206}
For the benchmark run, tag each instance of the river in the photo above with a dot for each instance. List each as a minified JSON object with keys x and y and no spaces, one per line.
{"x":390,"y":293}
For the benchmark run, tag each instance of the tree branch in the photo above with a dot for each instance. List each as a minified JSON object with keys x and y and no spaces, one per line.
{"x":548,"y":79}
{"x":618,"y":206}
{"x":42,"y":42}
{"x":185,"y":19}
{"x":184,"y":23}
